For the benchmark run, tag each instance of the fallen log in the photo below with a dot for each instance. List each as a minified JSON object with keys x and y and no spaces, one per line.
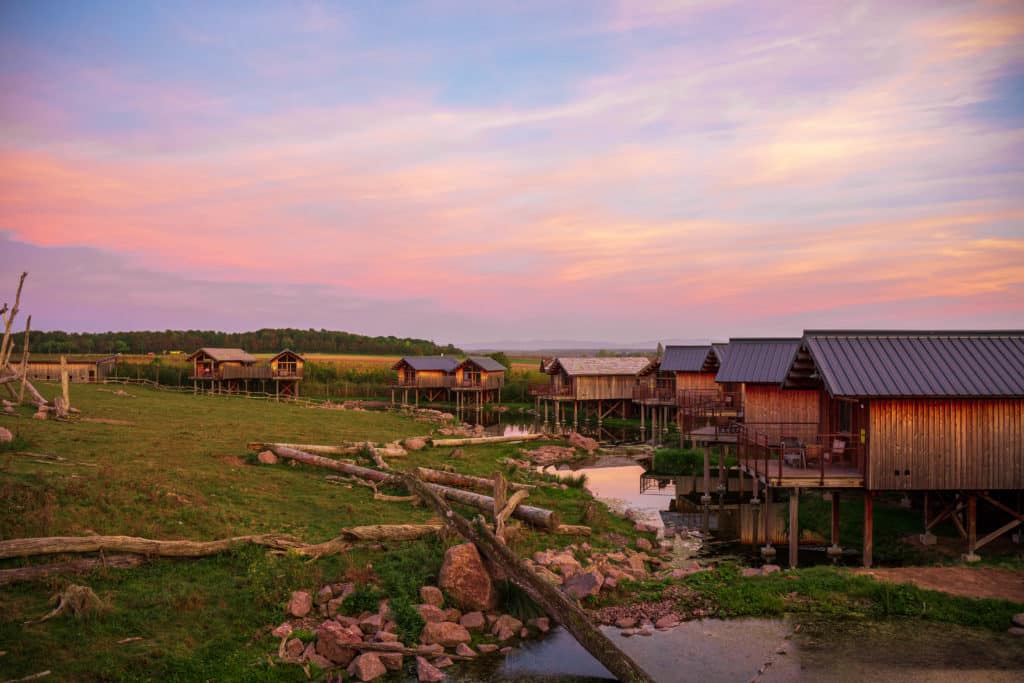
{"x":318,"y":449}
{"x":392,"y":532}
{"x":546,"y":519}
{"x":478,"y":440}
{"x":465,"y":481}
{"x":550,"y":599}
{"x":28,"y":547}
{"x":573,"y":530}
{"x":79,"y":566}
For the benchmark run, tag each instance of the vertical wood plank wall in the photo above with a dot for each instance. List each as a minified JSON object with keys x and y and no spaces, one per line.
{"x":592,"y":387}
{"x":946,"y":444}
{"x":695,"y":380}
{"x":771,"y":410}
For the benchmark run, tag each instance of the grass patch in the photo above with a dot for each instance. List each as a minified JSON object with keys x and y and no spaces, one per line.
{"x":685,"y":462}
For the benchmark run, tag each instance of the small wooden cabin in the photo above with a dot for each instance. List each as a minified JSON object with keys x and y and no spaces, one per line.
{"x":691,"y":367}
{"x":593,"y":379}
{"x":286,"y":370}
{"x":432,"y":375}
{"x":81,"y":368}
{"x":759,"y":367}
{"x":209,"y":362}
{"x":478,"y":379}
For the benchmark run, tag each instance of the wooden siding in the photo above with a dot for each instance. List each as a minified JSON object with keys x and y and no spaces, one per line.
{"x":946,"y":444}
{"x":594,"y":387}
{"x":695,"y":380}
{"x":777,"y":412}
{"x":49,"y":371}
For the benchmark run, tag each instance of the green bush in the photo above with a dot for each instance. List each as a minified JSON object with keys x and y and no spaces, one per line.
{"x":365,"y":598}
{"x":407,"y":619}
{"x":685,"y":462}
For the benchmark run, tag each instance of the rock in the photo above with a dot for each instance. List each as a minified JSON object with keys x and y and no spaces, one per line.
{"x":392,"y":661}
{"x":548,"y":575}
{"x":625,"y":622}
{"x":294,"y":648}
{"x":313,"y":657}
{"x":415,"y":444}
{"x":505,"y":650}
{"x":452,"y":614}
{"x":323,"y":596}
{"x":1018,"y":619}
{"x":267,"y":457}
{"x":667,"y":621}
{"x":644,"y":632}
{"x":487,"y":648}
{"x":506,"y":621}
{"x":542,"y":624}
{"x":431,"y":613}
{"x":464,"y":578}
{"x":582,"y":442}
{"x":300,"y":604}
{"x":425,"y":671}
{"x":1015,"y":631}
{"x":5,"y":434}
{"x":636,"y":565}
{"x":343,"y":590}
{"x":770,"y":569}
{"x":442,"y":662}
{"x":464,"y":650}
{"x":473,"y":621}
{"x":444,"y":633}
{"x":372,"y":624}
{"x":583,"y":584}
{"x":609,"y":583}
{"x":432,"y":650}
{"x":629,"y":632}
{"x":643,"y":544}
{"x":39,"y":416}
{"x":347,"y":621}
{"x":432,"y":595}
{"x":334,"y":607}
{"x":9,"y":410}
{"x":750,"y":571}
{"x":367,"y":667}
{"x":282,"y":631}
{"x":332,"y":642}
{"x":385,"y":637}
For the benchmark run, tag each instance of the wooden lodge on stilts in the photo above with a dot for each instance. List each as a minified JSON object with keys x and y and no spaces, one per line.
{"x":234,"y":371}
{"x":431,"y":376}
{"x":602,"y":386}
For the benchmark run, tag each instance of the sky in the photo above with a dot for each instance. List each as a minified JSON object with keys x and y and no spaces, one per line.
{"x":471,"y":172}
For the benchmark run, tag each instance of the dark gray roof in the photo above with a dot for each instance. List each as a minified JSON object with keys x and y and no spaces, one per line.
{"x":919,"y":364}
{"x":485,"y":363}
{"x":757,"y":361}
{"x":687,"y":358}
{"x":720,"y":348}
{"x":418,"y":363}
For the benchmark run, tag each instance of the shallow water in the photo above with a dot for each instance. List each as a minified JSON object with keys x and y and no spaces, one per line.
{"x":715,"y":650}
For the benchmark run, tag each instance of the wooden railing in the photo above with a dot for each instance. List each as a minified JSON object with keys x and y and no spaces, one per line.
{"x":708,"y":401}
{"x":764,"y":452}
{"x":492,"y":382}
{"x":648,"y":393}
{"x":551,"y":391}
{"x":427,"y":382}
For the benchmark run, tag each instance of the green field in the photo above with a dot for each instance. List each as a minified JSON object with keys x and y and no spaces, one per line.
{"x":179,"y":470}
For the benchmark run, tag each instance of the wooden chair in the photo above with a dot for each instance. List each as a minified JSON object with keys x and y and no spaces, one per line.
{"x":837,"y":453}
{"x":793,"y":451}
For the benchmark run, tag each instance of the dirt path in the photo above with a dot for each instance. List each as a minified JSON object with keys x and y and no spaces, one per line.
{"x":970,"y":582}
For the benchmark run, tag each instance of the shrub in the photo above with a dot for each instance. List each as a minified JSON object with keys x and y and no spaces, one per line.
{"x":365,"y":598}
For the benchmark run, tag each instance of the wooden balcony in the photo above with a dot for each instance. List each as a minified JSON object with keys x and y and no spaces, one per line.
{"x":551,"y":391}
{"x":428,"y":382}
{"x":824,"y":461}
{"x":709,"y":401}
{"x":492,"y":382}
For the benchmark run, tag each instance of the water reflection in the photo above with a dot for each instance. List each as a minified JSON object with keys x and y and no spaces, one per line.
{"x":508,"y":423}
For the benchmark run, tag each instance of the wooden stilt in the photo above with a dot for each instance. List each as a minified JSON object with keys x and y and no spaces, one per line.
{"x":768,"y":551}
{"x":794,"y":526}
{"x":972,"y":528}
{"x":706,"y":498}
{"x":869,"y":532}
{"x":835,"y":522}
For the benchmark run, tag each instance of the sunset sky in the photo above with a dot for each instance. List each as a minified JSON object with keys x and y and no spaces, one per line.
{"x":482,"y":171}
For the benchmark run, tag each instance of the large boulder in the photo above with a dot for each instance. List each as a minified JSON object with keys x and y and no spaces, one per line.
{"x":584,"y":583}
{"x":444,"y":633}
{"x":465,"y":580}
{"x":333,"y":641}
{"x":367,"y":667}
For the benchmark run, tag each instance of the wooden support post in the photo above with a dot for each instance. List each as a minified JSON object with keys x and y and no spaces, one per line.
{"x":794,"y":526}
{"x":835,"y":550}
{"x":869,"y":531}
{"x":706,"y":497}
{"x":767,"y":551}
{"x":575,"y":414}
{"x":972,"y":528}
{"x":643,"y":415}
{"x":600,"y":415}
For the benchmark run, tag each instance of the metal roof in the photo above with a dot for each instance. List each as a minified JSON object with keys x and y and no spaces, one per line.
{"x":720,"y":349}
{"x":485,"y":363}
{"x":428,"y":363}
{"x":919,"y":364}
{"x":225,"y":355}
{"x":626,"y":365}
{"x":757,"y":361}
{"x":687,"y":358}
{"x":286,"y":352}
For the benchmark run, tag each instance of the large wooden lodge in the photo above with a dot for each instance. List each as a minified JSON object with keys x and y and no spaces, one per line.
{"x":937,"y":414}
{"x":473,"y":381}
{"x":603,"y":386}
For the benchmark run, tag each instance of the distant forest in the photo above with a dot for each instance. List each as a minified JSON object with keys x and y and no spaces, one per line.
{"x":260,"y":341}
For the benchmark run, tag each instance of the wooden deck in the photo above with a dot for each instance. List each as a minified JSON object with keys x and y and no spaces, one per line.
{"x":712,"y":435}
{"x":835,"y":476}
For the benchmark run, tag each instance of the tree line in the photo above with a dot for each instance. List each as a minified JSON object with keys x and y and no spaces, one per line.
{"x":261,"y":341}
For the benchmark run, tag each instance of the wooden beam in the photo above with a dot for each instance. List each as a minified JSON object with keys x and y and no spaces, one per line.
{"x":794,"y":526}
{"x":869,"y":533}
